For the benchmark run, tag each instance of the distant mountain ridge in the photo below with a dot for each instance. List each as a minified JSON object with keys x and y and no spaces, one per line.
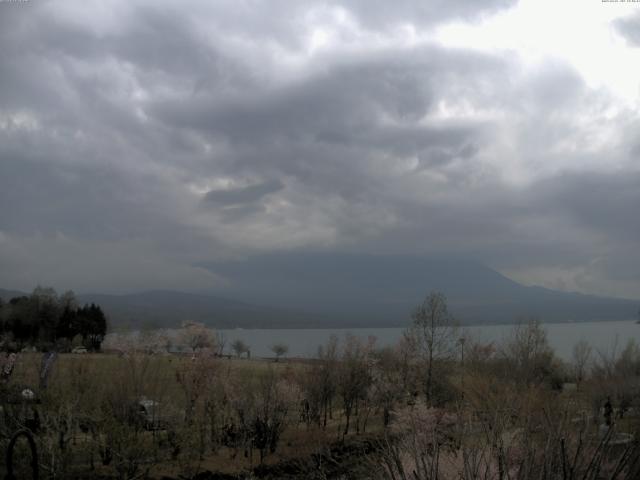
{"x":7,"y":295}
{"x":346,"y":290}
{"x":377,"y":290}
{"x":163,"y":308}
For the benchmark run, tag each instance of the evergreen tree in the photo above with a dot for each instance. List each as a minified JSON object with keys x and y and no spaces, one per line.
{"x":43,"y":318}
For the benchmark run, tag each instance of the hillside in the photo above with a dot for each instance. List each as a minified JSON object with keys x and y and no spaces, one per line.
{"x":6,"y":295}
{"x":382,"y":290}
{"x":311,"y":291}
{"x":170,"y":309}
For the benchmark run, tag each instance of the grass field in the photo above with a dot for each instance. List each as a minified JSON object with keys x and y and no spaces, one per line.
{"x":101,"y":390}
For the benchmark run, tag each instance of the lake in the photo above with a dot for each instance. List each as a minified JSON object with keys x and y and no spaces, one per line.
{"x":602,"y":336}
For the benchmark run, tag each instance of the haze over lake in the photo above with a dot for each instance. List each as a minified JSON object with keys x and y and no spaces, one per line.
{"x":604,"y":337}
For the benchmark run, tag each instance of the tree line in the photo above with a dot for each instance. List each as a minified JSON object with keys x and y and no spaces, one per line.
{"x":46,"y":320}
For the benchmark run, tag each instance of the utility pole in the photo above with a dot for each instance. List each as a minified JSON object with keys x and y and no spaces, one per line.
{"x":462,"y":340}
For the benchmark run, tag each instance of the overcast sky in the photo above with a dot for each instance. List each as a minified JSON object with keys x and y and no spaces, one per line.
{"x":143,"y":139}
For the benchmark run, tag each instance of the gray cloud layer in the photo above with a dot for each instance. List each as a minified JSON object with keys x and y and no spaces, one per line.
{"x":140,"y":142}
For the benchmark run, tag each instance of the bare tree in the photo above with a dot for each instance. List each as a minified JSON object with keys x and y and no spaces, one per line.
{"x":280,"y":349}
{"x":530,"y":358}
{"x":581,"y":357}
{"x":628,"y":364}
{"x":354,"y":375}
{"x":432,"y":334}
{"x":239,"y":347}
{"x":221,"y":342}
{"x":394,"y":376}
{"x":152,"y":341}
{"x":319,"y":384}
{"x":197,"y":336}
{"x":274,"y":397}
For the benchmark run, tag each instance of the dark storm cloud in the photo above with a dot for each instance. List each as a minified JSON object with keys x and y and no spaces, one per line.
{"x":173,"y":134}
{"x":600,"y":202}
{"x":352,"y":92}
{"x":326,"y":130}
{"x":352,"y":95}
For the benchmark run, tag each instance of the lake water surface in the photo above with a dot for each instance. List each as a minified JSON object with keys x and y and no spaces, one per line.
{"x":602,"y":336}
